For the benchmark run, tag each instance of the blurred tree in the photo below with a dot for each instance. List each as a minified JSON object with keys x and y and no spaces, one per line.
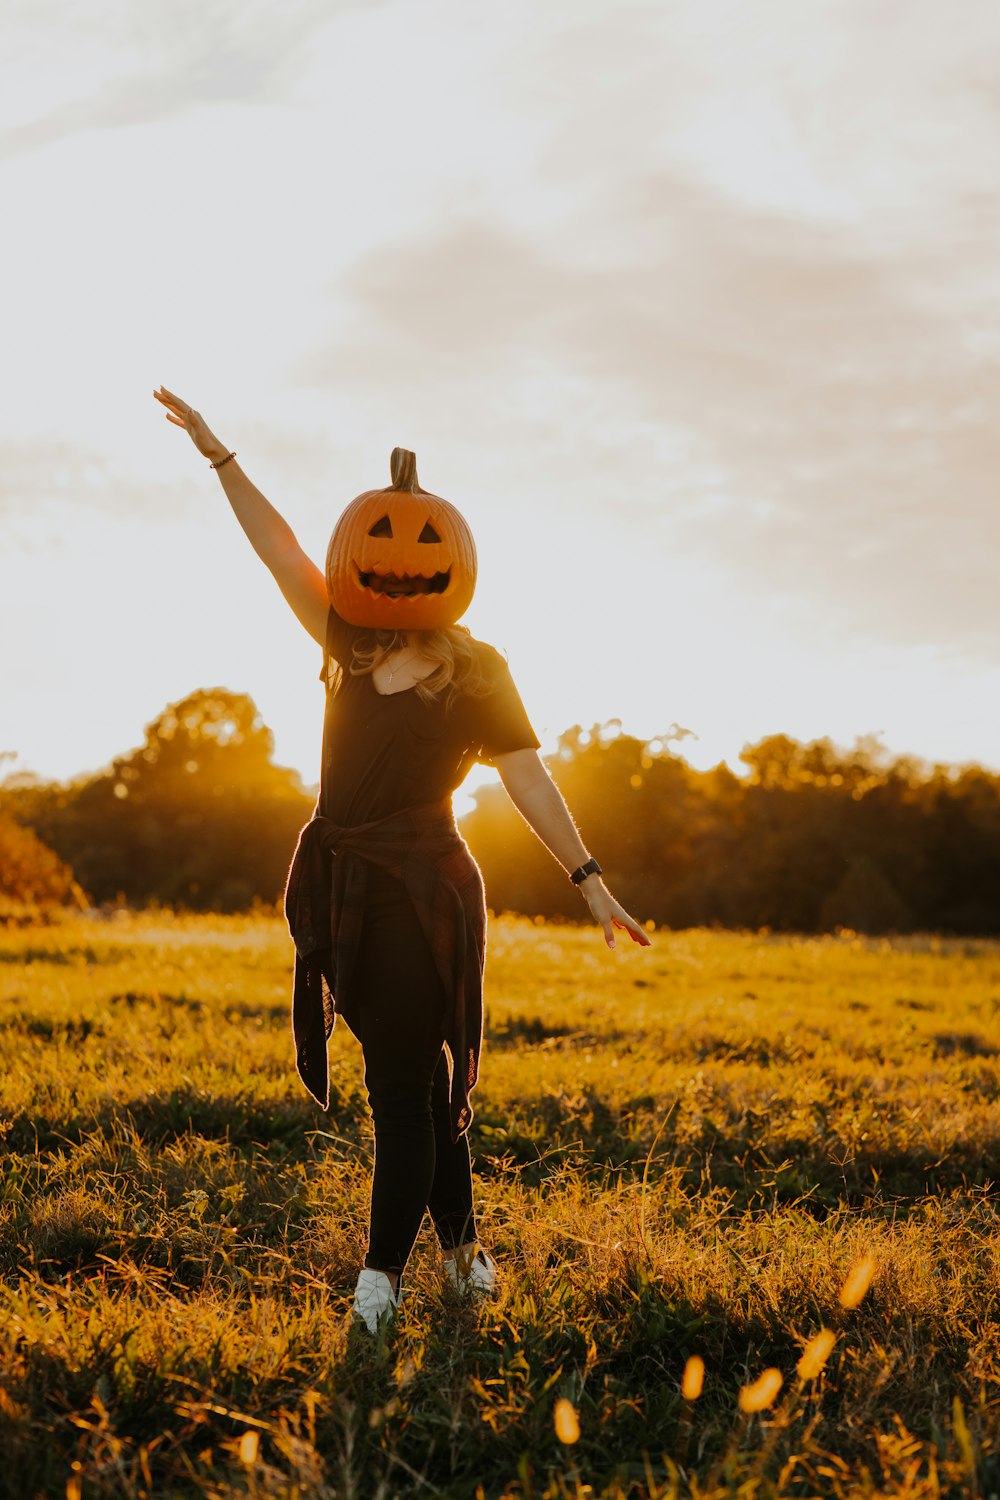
{"x":814,"y":837}
{"x":865,"y":901}
{"x":198,"y":816}
{"x":962,"y":855}
{"x":31,"y":874}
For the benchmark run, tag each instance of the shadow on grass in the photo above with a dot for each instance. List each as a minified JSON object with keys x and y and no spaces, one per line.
{"x":234,"y":1117}
{"x":963,"y":1044}
{"x":78,"y":1028}
{"x":519,"y":1032}
{"x":253,"y":1010}
{"x":533,"y":1137}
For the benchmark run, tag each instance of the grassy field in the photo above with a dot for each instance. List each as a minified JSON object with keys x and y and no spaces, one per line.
{"x":681,"y":1155}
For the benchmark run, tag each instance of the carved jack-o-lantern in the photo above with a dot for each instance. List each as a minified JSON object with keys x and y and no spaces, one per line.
{"x":401,"y":558}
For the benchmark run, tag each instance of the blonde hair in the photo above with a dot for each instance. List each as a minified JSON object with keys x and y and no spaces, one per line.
{"x":457,"y":667}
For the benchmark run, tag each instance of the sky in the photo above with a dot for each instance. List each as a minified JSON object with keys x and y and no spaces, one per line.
{"x":693,"y":309}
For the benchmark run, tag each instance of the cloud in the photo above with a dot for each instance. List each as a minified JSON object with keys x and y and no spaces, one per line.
{"x":151,"y":64}
{"x":832,"y":436}
{"x":55,"y":479}
{"x":734,"y":278}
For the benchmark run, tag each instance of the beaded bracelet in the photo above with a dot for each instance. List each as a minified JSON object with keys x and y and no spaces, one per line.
{"x":219,"y":462}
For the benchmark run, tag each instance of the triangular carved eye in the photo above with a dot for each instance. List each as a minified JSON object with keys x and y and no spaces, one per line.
{"x":428,"y":534}
{"x":382,"y":528}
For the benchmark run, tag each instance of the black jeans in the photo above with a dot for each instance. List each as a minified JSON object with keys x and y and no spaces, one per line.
{"x":397,"y":1014}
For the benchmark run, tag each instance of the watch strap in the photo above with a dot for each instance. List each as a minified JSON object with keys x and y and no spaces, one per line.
{"x":590,"y":868}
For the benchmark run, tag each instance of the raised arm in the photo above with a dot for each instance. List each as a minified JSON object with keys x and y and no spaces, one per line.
{"x":271,"y":537}
{"x":540,"y":803}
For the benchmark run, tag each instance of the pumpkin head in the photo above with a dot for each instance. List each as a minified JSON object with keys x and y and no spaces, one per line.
{"x":401,"y":558}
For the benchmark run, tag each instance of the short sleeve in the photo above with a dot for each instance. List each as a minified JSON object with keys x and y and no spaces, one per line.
{"x":339,"y":648}
{"x":501,"y":723}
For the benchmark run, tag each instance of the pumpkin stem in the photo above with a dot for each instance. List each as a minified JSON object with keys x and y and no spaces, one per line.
{"x":403,"y":467}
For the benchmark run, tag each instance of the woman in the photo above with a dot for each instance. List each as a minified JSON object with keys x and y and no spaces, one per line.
{"x":384,"y":900}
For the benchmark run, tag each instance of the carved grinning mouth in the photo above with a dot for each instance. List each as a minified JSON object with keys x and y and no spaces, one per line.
{"x":403,"y":585}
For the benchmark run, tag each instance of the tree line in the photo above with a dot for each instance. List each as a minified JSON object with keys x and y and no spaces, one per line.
{"x":812,"y":837}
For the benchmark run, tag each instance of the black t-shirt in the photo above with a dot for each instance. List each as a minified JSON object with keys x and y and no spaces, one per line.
{"x":384,"y":752}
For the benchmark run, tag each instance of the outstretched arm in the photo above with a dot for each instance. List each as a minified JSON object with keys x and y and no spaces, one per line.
{"x":270,"y":535}
{"x":540,"y":803}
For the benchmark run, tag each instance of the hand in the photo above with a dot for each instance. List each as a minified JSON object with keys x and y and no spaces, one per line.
{"x":610,"y":914}
{"x":193,"y":423}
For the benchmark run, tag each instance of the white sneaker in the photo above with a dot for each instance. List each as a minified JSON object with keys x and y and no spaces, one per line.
{"x":375,"y":1302}
{"x":481,"y":1278}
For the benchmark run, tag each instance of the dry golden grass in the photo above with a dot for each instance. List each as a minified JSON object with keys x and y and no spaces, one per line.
{"x":742,"y":1188}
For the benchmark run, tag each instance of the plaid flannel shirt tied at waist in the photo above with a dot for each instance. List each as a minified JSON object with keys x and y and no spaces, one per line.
{"x":324,"y":907}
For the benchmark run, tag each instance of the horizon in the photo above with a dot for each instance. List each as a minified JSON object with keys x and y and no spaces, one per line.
{"x":668,"y":743}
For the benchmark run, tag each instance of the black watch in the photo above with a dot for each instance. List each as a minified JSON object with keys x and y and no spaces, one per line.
{"x":590,"y":868}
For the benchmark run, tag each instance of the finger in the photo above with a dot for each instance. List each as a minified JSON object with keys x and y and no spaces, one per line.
{"x":641,"y":936}
{"x":634,"y":929}
{"x":609,"y":934}
{"x":176,"y":420}
{"x":175,"y":402}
